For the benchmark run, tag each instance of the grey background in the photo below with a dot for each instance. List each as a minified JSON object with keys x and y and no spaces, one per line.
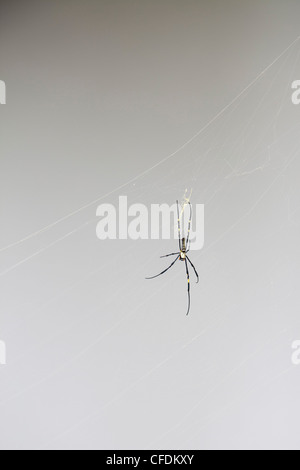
{"x":99,"y":92}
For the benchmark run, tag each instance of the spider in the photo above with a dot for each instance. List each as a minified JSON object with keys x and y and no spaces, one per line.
{"x":182,"y":255}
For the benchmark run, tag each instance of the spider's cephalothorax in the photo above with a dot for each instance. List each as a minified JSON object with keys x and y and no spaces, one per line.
{"x":183,"y":250}
{"x":182,"y":254}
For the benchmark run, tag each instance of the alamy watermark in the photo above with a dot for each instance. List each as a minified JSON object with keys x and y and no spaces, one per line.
{"x":138,"y":222}
{"x":2,"y":92}
{"x":2,"y":353}
{"x":296,"y":353}
{"x":296,"y":93}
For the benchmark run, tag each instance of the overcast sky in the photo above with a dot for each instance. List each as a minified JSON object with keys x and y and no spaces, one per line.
{"x":146,"y":99}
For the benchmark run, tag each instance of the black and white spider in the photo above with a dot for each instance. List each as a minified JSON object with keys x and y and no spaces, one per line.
{"x":182,"y":255}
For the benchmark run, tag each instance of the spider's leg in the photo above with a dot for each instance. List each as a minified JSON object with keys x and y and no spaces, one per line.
{"x":177,"y":258}
{"x":189,"y":228}
{"x":179,"y":231}
{"x":188,"y":279}
{"x":171,"y":254}
{"x":197,"y":275}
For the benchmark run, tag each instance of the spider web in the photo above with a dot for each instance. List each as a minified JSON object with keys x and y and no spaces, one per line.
{"x":244,"y":160}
